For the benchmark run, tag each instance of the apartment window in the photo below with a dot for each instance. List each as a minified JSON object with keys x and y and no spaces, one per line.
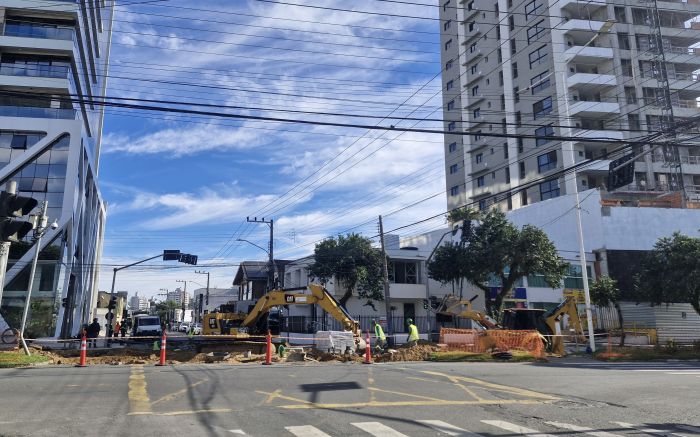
{"x":620,"y":15}
{"x":533,"y":8}
{"x":450,"y":105}
{"x":505,"y":150}
{"x":477,"y":135}
{"x":474,"y":68}
{"x":454,"y":190}
{"x":623,"y":39}
{"x":538,"y":56}
{"x":445,"y":5}
{"x":516,"y":94}
{"x":470,"y":6}
{"x":451,"y":126}
{"x":518,"y":119}
{"x":540,"y":82}
{"x":480,"y":181}
{"x":500,"y":78}
{"x":449,"y":85}
{"x":472,"y":25}
{"x":479,"y":158}
{"x":631,"y":95}
{"x":452,"y":147}
{"x":547,"y":161}
{"x":542,"y":108}
{"x":544,"y":131}
{"x":476,"y":112}
{"x":511,"y":23}
{"x":521,"y":145}
{"x":493,"y":175}
{"x":549,"y":189}
{"x":513,"y":48}
{"x":514,"y":68}
{"x":448,"y":44}
{"x":507,"y":175}
{"x":475,"y":91}
{"x":521,"y":167}
{"x":633,"y":122}
{"x":482,"y":204}
{"x":510,"y":202}
{"x":447,"y":25}
{"x":453,"y":169}
{"x":448,"y":64}
{"x":472,"y":48}
{"x":535,"y":32}
{"x":523,"y":198}
{"x":626,"y":67}
{"x":503,"y":102}
{"x":499,"y":55}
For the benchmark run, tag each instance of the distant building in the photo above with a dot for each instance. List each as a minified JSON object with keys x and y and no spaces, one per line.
{"x":139,"y":303}
{"x":179,"y":295}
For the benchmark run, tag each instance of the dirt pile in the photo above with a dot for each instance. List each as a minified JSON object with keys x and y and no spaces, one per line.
{"x":420,"y":352}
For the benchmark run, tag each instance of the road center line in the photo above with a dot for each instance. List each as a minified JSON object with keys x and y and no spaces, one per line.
{"x":139,"y":402}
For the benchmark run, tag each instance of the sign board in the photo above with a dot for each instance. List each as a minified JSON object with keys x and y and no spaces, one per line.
{"x":289,"y":298}
{"x":300,"y":299}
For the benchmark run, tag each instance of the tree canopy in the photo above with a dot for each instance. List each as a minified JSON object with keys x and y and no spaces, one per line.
{"x":355,"y":265}
{"x":604,"y":292}
{"x":671,"y":272}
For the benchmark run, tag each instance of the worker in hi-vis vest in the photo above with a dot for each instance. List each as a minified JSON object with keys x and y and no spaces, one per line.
{"x":412,"y":333}
{"x":379,"y":333}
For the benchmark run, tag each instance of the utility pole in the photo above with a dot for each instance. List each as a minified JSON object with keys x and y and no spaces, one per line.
{"x":387,"y":295}
{"x":42,"y":223}
{"x":201,"y":304}
{"x":271,"y":262}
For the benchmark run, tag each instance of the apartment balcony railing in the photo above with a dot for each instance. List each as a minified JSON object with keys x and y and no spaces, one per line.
{"x":52,"y":71}
{"x":39,"y":31}
{"x":681,"y":104}
{"x":685,"y":159}
{"x":34,"y":112}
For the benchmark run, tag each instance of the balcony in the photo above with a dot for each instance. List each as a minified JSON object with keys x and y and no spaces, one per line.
{"x":588,"y":55}
{"x":470,"y":34}
{"x":577,"y":5}
{"x":34,"y":112}
{"x":407,"y":291}
{"x":585,"y":135}
{"x":590,"y":80}
{"x":38,"y":31}
{"x":593,"y":109}
{"x":471,"y":77}
{"x":576,"y":27}
{"x":37,"y":70}
{"x":595,"y":167}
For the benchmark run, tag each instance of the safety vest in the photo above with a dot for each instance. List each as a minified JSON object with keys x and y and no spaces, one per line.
{"x":412,"y":332}
{"x":379,"y":332}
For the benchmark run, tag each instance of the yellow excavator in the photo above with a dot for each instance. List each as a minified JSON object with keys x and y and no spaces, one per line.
{"x":546,"y":322}
{"x":243,"y":325}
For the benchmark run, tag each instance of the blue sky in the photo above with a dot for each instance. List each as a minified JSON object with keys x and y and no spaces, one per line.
{"x":188,"y":182}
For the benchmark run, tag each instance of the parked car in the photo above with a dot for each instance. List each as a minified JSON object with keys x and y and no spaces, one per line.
{"x":146,"y":325}
{"x":197,"y":329}
{"x":184,"y":327}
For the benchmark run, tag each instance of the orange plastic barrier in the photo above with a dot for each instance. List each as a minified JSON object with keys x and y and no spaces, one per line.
{"x":472,"y":340}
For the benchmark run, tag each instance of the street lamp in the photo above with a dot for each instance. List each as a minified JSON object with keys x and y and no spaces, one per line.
{"x":272,"y":261}
{"x":453,"y":231}
{"x":250,"y":242}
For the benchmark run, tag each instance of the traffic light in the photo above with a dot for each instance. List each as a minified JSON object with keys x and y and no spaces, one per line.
{"x":188,"y":259}
{"x":623,"y":175}
{"x":112,"y":303}
{"x":64,"y":302}
{"x":425,"y":304}
{"x":12,"y":205}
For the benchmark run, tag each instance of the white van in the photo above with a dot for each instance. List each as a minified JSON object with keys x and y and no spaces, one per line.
{"x":146,"y":326}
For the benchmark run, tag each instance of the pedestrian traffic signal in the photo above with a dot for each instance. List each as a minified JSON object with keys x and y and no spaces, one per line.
{"x":112,"y":303}
{"x":188,"y":259}
{"x":425,"y":304}
{"x":622,"y":176}
{"x":12,"y":205}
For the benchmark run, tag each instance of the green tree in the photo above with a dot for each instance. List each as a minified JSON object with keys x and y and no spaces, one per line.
{"x":355,"y":265}
{"x":498,"y":248}
{"x":447,"y":264}
{"x":604,"y":292}
{"x":464,"y":216}
{"x":671,"y":272}
{"x":165,"y":309}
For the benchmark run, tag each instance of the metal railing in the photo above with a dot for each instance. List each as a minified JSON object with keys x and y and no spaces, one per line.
{"x":311,"y":325}
{"x":34,"y":112}
{"x":51,"y":71}
{"x":39,"y":31}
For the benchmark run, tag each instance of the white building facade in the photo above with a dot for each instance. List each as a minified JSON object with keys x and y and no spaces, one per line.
{"x":139,"y":303}
{"x":53,"y":68}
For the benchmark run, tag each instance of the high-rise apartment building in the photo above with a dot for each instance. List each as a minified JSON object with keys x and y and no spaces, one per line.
{"x":139,"y":303}
{"x":179,"y":296}
{"x":601,"y":71}
{"x":53,"y":68}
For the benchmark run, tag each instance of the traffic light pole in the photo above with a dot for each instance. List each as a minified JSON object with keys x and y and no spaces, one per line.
{"x":5,"y":246}
{"x":38,"y":233}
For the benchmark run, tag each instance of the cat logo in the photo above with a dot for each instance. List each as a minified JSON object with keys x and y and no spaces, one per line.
{"x":289,"y":298}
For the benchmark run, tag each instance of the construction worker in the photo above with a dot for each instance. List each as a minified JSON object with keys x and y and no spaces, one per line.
{"x":117,"y":328}
{"x":379,"y":333}
{"x":412,"y":333}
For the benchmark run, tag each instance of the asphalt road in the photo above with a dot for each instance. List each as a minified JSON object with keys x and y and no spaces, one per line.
{"x":385,"y":400}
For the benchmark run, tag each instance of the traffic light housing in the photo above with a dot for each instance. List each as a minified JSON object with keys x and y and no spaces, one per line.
{"x":112,"y":303}
{"x":188,"y":259}
{"x":623,"y":175}
{"x":12,"y":205}
{"x":64,"y":302}
{"x":171,"y":255}
{"x":425,"y":304}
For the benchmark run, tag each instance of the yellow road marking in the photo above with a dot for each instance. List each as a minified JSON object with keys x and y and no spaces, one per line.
{"x":271,"y":396}
{"x":407,"y":404}
{"x":277,"y":394}
{"x":492,"y":386}
{"x":183,"y":412}
{"x":374,"y":389}
{"x":139,"y":402}
{"x":174,"y":395}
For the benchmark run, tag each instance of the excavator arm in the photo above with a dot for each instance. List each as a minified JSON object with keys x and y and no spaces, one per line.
{"x":318,"y":296}
{"x":567,"y":307}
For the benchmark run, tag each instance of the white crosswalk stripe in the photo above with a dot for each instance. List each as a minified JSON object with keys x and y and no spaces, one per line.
{"x":377,"y":429}
{"x":237,"y":431}
{"x":446,"y":428}
{"x":515,"y":428}
{"x":306,"y":431}
{"x":582,"y":429}
{"x":647,"y":430}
